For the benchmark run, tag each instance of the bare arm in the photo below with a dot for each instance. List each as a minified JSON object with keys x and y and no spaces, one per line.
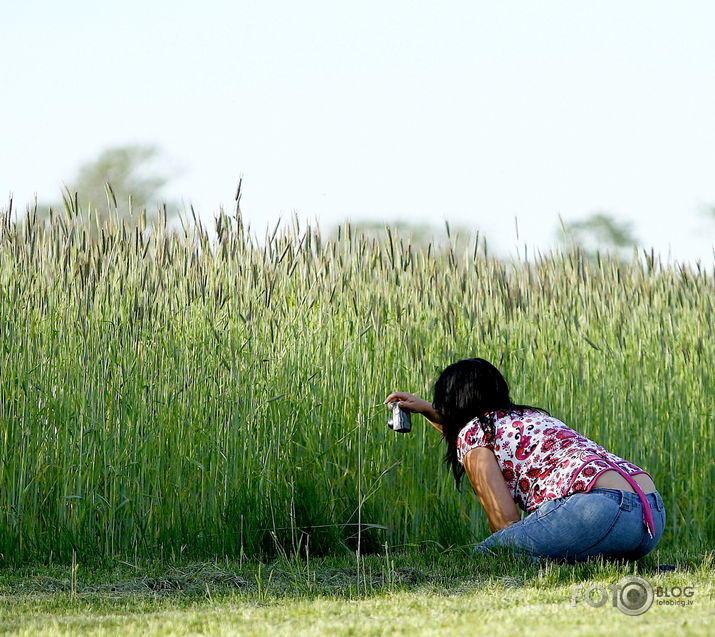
{"x":416,"y":405}
{"x":491,"y":489}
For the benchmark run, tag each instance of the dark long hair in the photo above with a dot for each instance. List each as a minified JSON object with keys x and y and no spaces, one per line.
{"x":468,"y":389}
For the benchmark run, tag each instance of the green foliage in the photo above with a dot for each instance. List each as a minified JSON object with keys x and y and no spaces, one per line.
{"x":598,"y":233}
{"x":422,"y":236}
{"x":127,"y":169}
{"x":119,"y":184}
{"x":418,"y":233}
{"x":162,"y":395}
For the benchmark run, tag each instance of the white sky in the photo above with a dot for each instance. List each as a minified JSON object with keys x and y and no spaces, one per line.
{"x":472,"y":111}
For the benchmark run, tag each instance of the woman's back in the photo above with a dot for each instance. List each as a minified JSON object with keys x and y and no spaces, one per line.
{"x":540,"y":457}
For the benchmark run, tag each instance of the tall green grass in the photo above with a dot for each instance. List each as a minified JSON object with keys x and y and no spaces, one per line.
{"x":168,"y":395}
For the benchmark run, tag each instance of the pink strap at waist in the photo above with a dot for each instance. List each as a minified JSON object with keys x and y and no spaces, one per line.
{"x":647,"y":513}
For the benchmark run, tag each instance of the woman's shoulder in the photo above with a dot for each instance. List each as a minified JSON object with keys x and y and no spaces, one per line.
{"x":471,"y":427}
{"x":489,"y":416}
{"x":473,"y":434}
{"x":505,"y":418}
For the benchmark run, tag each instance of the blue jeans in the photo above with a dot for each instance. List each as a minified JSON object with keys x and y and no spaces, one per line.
{"x":607,"y":522}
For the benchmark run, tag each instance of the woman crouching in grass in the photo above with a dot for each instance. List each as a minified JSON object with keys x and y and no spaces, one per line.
{"x":581,"y":500}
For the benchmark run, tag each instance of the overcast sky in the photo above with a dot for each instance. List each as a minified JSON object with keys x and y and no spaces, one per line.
{"x":471,"y":111}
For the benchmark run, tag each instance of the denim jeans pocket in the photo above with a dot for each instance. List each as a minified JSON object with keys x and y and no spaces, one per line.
{"x":548,"y":507}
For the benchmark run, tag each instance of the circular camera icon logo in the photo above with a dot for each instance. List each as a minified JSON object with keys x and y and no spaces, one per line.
{"x":635,"y":595}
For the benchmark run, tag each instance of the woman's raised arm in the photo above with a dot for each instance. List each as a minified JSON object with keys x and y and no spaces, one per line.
{"x":416,"y":405}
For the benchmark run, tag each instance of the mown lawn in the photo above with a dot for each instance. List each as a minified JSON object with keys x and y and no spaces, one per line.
{"x":412,"y":593}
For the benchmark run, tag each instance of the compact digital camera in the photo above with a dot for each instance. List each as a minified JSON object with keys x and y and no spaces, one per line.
{"x":400,"y":420}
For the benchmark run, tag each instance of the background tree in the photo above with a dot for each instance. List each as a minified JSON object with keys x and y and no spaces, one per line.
{"x":419,"y":235}
{"x":121,"y":181}
{"x":599,"y":232}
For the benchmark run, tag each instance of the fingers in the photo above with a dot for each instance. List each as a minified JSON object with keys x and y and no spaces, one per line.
{"x":391,"y":398}
{"x":408,"y":402}
{"x":398,"y":396}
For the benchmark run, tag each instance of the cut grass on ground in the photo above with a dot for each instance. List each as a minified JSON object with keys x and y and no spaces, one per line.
{"x":411,"y":594}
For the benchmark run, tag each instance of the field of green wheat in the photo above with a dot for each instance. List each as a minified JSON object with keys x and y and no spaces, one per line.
{"x":166,"y":394}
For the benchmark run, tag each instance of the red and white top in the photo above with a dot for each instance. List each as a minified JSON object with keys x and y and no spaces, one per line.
{"x":540,"y":457}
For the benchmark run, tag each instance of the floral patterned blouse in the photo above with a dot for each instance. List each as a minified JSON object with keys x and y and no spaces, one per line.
{"x":540,"y":457}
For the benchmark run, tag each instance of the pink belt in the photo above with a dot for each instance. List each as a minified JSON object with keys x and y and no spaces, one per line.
{"x":647,"y":514}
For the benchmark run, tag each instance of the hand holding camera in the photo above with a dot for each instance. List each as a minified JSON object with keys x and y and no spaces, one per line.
{"x":402,"y":405}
